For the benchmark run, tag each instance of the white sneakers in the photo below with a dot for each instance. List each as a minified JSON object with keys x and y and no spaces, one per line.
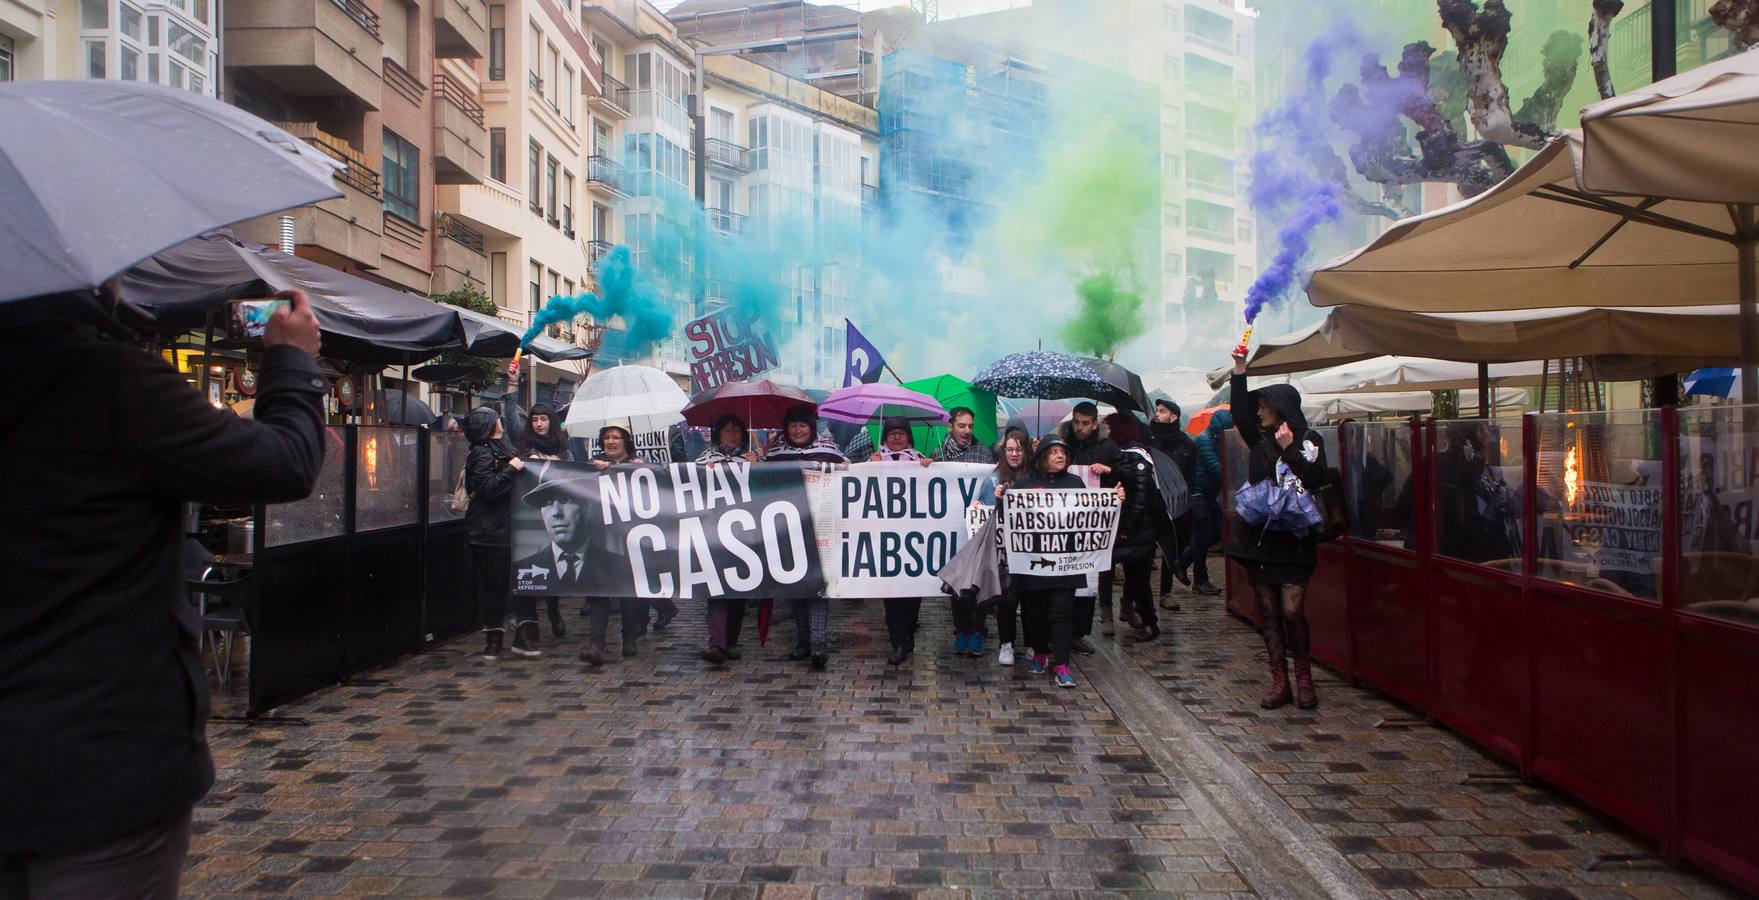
{"x":1005,"y":656}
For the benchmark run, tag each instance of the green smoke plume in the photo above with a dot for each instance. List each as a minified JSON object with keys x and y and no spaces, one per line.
{"x":1109,"y":316}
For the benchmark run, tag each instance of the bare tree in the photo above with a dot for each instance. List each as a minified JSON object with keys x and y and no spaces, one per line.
{"x":1740,"y":17}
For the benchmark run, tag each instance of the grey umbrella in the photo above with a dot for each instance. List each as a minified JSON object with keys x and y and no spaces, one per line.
{"x":97,"y":175}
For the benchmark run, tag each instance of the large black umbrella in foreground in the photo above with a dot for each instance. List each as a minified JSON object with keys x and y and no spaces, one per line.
{"x":1047,"y":375}
{"x":96,"y":175}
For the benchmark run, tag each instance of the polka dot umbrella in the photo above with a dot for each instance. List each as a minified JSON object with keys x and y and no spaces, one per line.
{"x":1048,"y":375}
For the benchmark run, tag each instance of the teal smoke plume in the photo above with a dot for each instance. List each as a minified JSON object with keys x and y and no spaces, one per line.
{"x":625,"y":293}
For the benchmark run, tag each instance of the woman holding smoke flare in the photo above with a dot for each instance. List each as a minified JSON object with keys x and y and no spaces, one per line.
{"x":726,"y":615}
{"x":489,"y":469}
{"x":543,"y":438}
{"x":799,"y":441}
{"x":1278,"y":562}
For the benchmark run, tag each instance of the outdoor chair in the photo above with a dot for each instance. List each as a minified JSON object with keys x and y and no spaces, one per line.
{"x":221,"y":605}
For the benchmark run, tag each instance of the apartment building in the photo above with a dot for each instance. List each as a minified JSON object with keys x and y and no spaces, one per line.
{"x":536,"y":82}
{"x":159,"y":41}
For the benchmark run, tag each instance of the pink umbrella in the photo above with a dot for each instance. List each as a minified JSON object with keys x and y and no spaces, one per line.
{"x":859,"y":403}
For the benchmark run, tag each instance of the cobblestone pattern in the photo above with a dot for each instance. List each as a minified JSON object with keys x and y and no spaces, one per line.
{"x":662,"y":776}
{"x":1395,"y":800}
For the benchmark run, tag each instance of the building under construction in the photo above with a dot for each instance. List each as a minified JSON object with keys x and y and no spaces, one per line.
{"x":833,"y":48}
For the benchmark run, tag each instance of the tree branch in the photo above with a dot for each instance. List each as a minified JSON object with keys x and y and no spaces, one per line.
{"x":1599,"y":39}
{"x":1740,"y":17}
{"x":1481,"y":38}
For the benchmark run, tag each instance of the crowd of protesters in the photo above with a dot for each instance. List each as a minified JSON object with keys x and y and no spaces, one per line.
{"x":1040,"y":619}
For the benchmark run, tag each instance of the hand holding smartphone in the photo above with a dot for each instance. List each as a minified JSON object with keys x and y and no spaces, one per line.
{"x":249,"y":319}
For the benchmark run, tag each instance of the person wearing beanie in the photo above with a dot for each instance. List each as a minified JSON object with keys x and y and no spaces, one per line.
{"x":799,"y":441}
{"x":1167,"y":434}
{"x":1206,"y":511}
{"x":543,"y":439}
{"x":726,"y":615}
{"x":897,"y":444}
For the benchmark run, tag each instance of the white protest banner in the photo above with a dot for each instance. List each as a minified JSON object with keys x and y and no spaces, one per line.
{"x":1059,"y":532}
{"x":1619,"y":524}
{"x":898,"y":524}
{"x":653,"y":446}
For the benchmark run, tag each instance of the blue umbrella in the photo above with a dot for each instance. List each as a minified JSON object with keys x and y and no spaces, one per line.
{"x":98,"y":175}
{"x":1713,"y":383}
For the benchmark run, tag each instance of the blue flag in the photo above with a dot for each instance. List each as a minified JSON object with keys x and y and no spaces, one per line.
{"x":862,"y":362}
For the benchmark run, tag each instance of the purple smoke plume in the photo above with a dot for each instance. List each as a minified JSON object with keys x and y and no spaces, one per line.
{"x":1286,"y":186}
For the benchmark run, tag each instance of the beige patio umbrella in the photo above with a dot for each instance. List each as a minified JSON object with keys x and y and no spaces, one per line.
{"x":1623,"y":342}
{"x":1398,"y":374}
{"x":1692,"y":137}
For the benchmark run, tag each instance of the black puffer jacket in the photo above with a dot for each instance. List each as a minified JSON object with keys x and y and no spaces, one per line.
{"x":488,"y":523}
{"x":1144,"y":517}
{"x":1097,"y":448}
{"x":1169,"y":438}
{"x":1255,"y":542}
{"x":1062,"y":481}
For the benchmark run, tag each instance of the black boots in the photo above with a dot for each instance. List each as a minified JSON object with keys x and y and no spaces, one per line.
{"x":557,"y":628}
{"x":492,"y":643}
{"x":525,"y":640}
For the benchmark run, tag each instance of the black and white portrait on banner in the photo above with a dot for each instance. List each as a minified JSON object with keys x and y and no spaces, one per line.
{"x":1059,"y":532}
{"x":683,"y":530}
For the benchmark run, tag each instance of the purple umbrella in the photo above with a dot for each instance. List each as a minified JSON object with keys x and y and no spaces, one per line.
{"x":862,"y":402}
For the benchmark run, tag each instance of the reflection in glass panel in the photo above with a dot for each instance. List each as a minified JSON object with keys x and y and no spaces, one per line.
{"x":1381,"y":500}
{"x":388,"y":479}
{"x":1719,"y":569}
{"x":1599,"y":501}
{"x":319,"y":515}
{"x":446,"y":454}
{"x":1477,"y":489}
{"x":132,"y":21}
{"x":94,"y":13}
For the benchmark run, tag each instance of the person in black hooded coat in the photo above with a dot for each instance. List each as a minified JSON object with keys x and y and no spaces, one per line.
{"x":489,"y":470}
{"x":1141,"y":523}
{"x":543,"y":438}
{"x":1278,"y":563}
{"x":1167,"y":434}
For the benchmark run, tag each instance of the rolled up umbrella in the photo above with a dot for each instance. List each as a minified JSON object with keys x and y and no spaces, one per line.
{"x":759,"y":404}
{"x":861,"y":402}
{"x":100,"y":174}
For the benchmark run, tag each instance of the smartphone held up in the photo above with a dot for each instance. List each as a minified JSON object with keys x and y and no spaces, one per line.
{"x":250,"y":318}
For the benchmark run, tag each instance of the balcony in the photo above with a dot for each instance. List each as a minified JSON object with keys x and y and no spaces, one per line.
{"x":595,"y":251}
{"x":870,"y":195}
{"x":1210,"y":234}
{"x":461,"y":29}
{"x":725,"y":155}
{"x":461,"y":141}
{"x":308,"y":48}
{"x":348,"y":227}
{"x":1211,"y":186}
{"x":604,"y":175}
{"x":1217,"y":43}
{"x":460,"y":257}
{"x":612,"y":101}
{"x":726,"y":222}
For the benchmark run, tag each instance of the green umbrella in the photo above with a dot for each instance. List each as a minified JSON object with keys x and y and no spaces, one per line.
{"x":951,"y":391}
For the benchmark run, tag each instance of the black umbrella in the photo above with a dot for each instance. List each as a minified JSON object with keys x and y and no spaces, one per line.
{"x":96,"y":175}
{"x":403,"y":409}
{"x":1047,"y":375}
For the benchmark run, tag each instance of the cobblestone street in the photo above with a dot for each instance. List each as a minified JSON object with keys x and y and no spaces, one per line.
{"x":950,"y":776}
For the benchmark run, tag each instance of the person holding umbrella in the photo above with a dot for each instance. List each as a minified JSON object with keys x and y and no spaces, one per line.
{"x":615,"y":446}
{"x":544,"y":439}
{"x":799,"y":441}
{"x":897,"y":444}
{"x":726,"y":615}
{"x":1285,"y":452}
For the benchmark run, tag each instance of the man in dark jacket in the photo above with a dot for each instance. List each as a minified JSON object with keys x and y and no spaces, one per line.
{"x":1206,"y":512}
{"x":1089,"y":446}
{"x":1167,"y":434}
{"x":102,"y":692}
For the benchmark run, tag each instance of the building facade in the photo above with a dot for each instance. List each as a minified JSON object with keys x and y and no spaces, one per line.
{"x":169,"y":42}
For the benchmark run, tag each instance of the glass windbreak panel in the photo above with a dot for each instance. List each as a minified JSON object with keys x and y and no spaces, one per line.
{"x":1234,"y":467}
{"x":1477,"y":482}
{"x":1719,"y":484}
{"x":1328,"y":436}
{"x":319,"y":515}
{"x":1599,"y":501}
{"x":388,"y":477}
{"x":446,"y":453}
{"x":1381,"y":491}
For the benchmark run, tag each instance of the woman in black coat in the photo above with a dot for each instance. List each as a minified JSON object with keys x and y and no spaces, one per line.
{"x":1141,"y":524}
{"x":488,"y":522}
{"x":543,"y":438}
{"x":1278,"y":562}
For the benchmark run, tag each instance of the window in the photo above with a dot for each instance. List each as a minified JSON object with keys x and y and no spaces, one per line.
{"x":601,"y":222}
{"x":603,"y":53}
{"x":534,"y":48}
{"x":555,"y":284}
{"x":567,"y":95}
{"x":1169,"y":18}
{"x":498,"y":154}
{"x":550,"y":189}
{"x":130,"y":69}
{"x":94,"y":59}
{"x":498,"y":278}
{"x":1174,"y":265}
{"x":533,"y":172}
{"x":402,"y":183}
{"x":568,"y":203}
{"x":537,"y":287}
{"x":498,"y":42}
{"x":567,"y":287}
{"x":94,"y":14}
{"x":394,"y":31}
{"x":555,"y":75}
{"x":601,"y":139}
{"x":133,"y":23}
{"x":721,"y":124}
{"x":6,"y":64}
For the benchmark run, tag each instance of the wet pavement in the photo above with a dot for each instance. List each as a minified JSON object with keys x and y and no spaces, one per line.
{"x":446,"y":775}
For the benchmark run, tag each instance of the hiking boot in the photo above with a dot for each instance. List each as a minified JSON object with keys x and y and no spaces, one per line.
{"x":1279,"y":695}
{"x":1305,"y":696}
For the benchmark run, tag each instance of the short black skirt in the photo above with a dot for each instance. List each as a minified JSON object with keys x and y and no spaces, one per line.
{"x":1271,"y":574}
